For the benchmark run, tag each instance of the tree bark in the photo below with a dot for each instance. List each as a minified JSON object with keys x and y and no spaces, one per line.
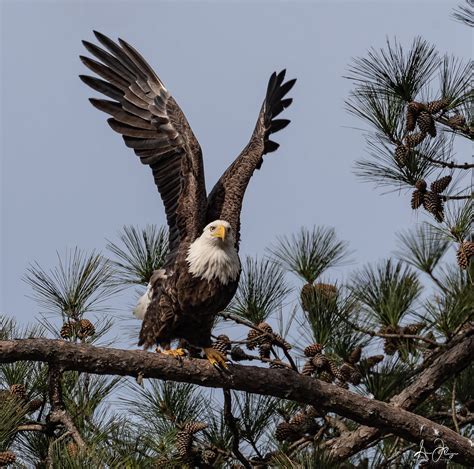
{"x":285,"y":384}
{"x":446,"y":365}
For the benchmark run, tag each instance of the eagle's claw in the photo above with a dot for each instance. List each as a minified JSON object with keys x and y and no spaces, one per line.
{"x":216,"y":358}
{"x":177,"y":353}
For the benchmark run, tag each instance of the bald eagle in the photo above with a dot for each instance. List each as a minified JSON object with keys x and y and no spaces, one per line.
{"x":202,"y":269}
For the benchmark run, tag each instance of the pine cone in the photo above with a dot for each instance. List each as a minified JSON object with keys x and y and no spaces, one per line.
{"x":435,"y":106}
{"x":320,"y":362}
{"x":326,"y":377}
{"x":355,"y":355}
{"x":390,"y":346}
{"x":356,"y":378}
{"x":346,"y":371}
{"x":6,"y":458}
{"x":209,"y":456}
{"x":416,"y":107}
{"x":413,"y":329}
{"x":441,"y":184}
{"x":183,"y":445}
{"x":421,"y":185}
{"x":416,"y":199}
{"x":326,"y":289}
{"x":426,"y":123}
{"x":308,"y":368}
{"x":279,"y":341}
{"x":265,"y":327}
{"x":313,"y":349}
{"x":286,"y":432}
{"x":370,"y":362}
{"x":19,"y":391}
{"x":252,"y":337}
{"x":222,"y":344}
{"x":413,"y":140}
{"x":335,"y":370}
{"x":401,"y":155}
{"x":67,"y":331}
{"x":410,"y":120}
{"x":433,"y":203}
{"x":86,"y":328}
{"x":277,"y":363}
{"x":194,"y":427}
{"x":264,"y":350}
{"x":72,"y":449}
{"x":464,"y":254}
{"x":34,"y":405}
{"x":303,"y":422}
{"x":238,"y":354}
{"x":457,"y":120}
{"x":306,"y":296}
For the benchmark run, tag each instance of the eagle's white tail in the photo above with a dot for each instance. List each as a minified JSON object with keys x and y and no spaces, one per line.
{"x":142,"y":305}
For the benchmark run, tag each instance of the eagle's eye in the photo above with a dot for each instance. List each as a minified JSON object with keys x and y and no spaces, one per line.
{"x":212,"y":228}
{"x":229,"y":229}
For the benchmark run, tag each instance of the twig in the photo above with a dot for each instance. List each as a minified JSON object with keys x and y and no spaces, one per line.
{"x":446,"y":164}
{"x":232,"y":424}
{"x":456,"y":197}
{"x":387,"y":462}
{"x":31,"y":427}
{"x":244,"y":322}
{"x":58,"y":413}
{"x":453,"y":406}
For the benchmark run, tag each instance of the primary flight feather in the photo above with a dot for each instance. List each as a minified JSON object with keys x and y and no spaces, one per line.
{"x":202,"y":269}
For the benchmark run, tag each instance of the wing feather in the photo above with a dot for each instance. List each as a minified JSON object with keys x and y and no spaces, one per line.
{"x":225,"y":199}
{"x":153,"y":125}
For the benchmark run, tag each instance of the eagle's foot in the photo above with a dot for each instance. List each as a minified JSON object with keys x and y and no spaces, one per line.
{"x":216,"y":358}
{"x":176,"y":353}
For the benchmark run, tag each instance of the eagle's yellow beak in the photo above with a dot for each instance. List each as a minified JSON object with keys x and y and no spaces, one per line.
{"x":219,"y":232}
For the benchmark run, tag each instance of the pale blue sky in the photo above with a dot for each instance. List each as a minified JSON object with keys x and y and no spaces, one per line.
{"x":68,"y":180}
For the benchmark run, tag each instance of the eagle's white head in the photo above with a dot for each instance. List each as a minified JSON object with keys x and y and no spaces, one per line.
{"x":213,"y":254}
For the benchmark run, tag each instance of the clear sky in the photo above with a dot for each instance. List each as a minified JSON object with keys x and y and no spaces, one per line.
{"x":68,"y":180}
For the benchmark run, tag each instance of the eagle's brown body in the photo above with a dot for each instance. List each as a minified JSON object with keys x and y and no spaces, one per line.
{"x":182,"y":306}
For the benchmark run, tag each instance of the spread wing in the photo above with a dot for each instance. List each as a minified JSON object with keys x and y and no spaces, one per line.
{"x":151,"y":123}
{"x":225,"y":200}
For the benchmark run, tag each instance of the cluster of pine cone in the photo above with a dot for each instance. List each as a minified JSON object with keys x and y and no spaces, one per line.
{"x":82,"y":329}
{"x":265,"y":340}
{"x":394,"y":344}
{"x":184,"y":446}
{"x":19,"y":394}
{"x":465,"y":253}
{"x":422,"y":115}
{"x":431,"y":200}
{"x":299,"y":425}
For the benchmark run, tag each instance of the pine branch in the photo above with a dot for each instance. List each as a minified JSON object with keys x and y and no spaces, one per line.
{"x":390,"y":418}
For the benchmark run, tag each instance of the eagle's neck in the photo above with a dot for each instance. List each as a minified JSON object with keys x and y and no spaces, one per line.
{"x":208,"y":260}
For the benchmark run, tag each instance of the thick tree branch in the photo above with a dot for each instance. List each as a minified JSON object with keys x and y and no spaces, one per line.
{"x":444,"y":366}
{"x":282,"y":383}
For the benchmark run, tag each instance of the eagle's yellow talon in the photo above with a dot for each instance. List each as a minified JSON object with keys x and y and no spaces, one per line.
{"x":177,"y":353}
{"x":216,"y":358}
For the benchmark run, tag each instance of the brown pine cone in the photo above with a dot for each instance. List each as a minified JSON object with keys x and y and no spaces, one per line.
{"x":458,"y":120}
{"x":326,"y":289}
{"x":326,"y":377}
{"x":433,"y":203}
{"x":308,"y":368}
{"x":390,"y":346}
{"x":19,"y":391}
{"x":410,"y":120}
{"x":6,"y":458}
{"x":222,"y":344}
{"x":416,"y":107}
{"x":464,"y":254}
{"x":320,"y":362}
{"x":441,"y":184}
{"x":370,"y":362}
{"x":264,"y":350}
{"x":67,"y":330}
{"x":306,"y":296}
{"x":278,"y":364}
{"x":279,"y":341}
{"x":265,"y":327}
{"x":416,"y":199}
{"x":72,"y":449}
{"x":413,"y":140}
{"x":86,"y":328}
{"x":313,"y":349}
{"x":183,"y":445}
{"x":304,"y":422}
{"x":334,"y":369}
{"x":426,"y":123}
{"x":238,"y":354}
{"x":252,"y":337}
{"x":346,"y":371}
{"x":435,"y":106}
{"x":355,"y":355}
{"x":194,"y":427}
{"x":413,"y":329}
{"x":209,"y":456}
{"x":34,"y":405}
{"x":421,"y":185}
{"x":401,"y":155}
{"x":286,"y":432}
